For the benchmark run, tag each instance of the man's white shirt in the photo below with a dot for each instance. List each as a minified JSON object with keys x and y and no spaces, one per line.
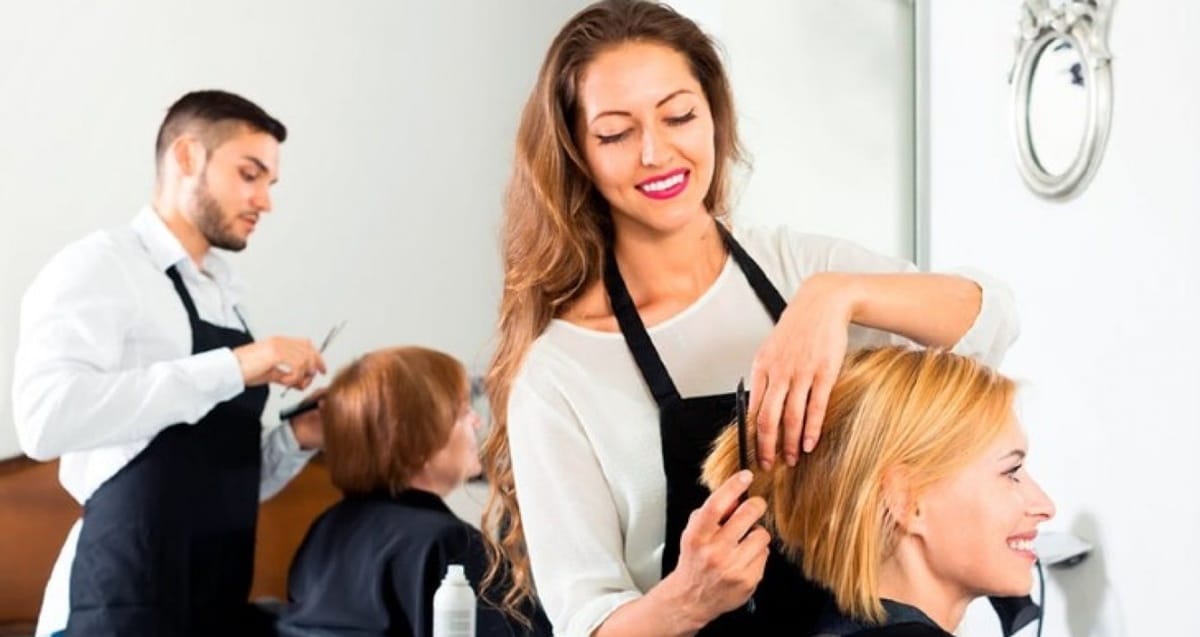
{"x":104,"y":362}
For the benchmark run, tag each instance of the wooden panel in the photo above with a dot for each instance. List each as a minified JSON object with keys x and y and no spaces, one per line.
{"x":282,"y":522}
{"x":36,"y":514}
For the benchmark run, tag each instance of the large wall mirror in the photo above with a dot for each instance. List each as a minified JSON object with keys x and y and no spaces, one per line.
{"x":402,"y":126}
{"x":1062,"y":94}
{"x":401,"y":118}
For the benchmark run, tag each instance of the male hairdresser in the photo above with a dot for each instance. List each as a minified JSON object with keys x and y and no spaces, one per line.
{"x":135,"y":366}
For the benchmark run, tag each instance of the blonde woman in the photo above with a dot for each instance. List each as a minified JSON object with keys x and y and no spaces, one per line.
{"x":917,"y":500}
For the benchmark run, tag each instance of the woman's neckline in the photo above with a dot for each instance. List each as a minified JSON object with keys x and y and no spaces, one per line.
{"x":693,"y":307}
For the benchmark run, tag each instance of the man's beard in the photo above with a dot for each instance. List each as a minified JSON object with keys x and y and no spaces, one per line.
{"x":210,"y":222}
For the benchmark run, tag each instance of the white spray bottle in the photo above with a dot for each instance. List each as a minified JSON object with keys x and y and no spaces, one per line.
{"x":454,"y":605}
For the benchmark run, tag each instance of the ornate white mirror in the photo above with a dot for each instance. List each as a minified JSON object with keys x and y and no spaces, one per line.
{"x":1062,"y":93}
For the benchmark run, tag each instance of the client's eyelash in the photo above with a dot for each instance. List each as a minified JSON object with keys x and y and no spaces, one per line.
{"x":1011,"y":474}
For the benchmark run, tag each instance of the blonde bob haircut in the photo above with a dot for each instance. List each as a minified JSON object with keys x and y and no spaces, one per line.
{"x":923,"y":414}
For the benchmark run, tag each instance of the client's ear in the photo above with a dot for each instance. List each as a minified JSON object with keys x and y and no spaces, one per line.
{"x":903,"y":508}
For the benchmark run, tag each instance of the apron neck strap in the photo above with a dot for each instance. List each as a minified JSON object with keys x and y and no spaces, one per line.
{"x":190,"y":305}
{"x":763,"y":289}
{"x":651,"y":365}
{"x":636,"y":338}
{"x":181,"y":290}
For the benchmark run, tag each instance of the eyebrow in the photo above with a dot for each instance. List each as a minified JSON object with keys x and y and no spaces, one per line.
{"x":660,"y":103}
{"x":261,"y":166}
{"x":1019,"y":454}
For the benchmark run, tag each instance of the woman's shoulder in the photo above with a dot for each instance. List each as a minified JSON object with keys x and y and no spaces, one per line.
{"x":566,"y":355}
{"x":457,"y":538}
{"x":774,"y":236}
{"x":816,"y":251}
{"x":795,"y":254}
{"x":407,"y":516}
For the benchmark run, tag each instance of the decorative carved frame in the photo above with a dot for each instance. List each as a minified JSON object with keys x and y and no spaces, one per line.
{"x":1083,"y":23}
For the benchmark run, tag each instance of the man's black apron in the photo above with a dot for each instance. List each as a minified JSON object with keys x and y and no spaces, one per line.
{"x":167,"y":544}
{"x":785,"y":601}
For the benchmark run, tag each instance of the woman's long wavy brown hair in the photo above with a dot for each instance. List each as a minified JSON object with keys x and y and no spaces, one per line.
{"x":556,"y":222}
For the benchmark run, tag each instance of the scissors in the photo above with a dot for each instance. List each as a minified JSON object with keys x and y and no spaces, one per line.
{"x":333,"y":331}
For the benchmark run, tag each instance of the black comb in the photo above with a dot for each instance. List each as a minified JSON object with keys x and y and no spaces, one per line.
{"x":740,"y":406}
{"x":739,"y":400}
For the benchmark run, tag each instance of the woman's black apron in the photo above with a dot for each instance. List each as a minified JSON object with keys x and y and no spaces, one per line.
{"x":785,"y":602}
{"x":167,"y":544}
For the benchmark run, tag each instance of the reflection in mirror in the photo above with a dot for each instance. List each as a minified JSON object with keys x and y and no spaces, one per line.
{"x":1058,"y":106}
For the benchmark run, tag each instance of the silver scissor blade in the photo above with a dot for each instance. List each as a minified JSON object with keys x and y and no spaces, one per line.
{"x":333,"y":332}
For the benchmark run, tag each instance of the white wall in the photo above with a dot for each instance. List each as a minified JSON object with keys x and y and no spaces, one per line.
{"x":1109,"y":291}
{"x":401,"y":119}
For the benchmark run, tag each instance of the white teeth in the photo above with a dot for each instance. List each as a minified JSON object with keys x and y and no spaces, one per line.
{"x":1021,"y":545}
{"x":663,"y":184}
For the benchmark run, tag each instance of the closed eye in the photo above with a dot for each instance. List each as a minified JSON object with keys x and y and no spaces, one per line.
{"x":682,"y":119}
{"x":612,"y":139}
{"x":1011,"y":474}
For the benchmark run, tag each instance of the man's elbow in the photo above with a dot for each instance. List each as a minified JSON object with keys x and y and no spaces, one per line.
{"x":34,"y":444}
{"x":34,"y":420}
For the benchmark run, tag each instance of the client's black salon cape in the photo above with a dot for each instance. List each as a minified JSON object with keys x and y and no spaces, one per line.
{"x":902,"y":621}
{"x":371,"y":564}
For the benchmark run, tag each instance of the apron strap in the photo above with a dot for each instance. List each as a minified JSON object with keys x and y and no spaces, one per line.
{"x":184,"y":296}
{"x":651,"y":365}
{"x":766,"y":292}
{"x":636,"y":338}
{"x":190,"y":306}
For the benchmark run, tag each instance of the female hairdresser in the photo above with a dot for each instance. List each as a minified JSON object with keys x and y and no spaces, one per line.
{"x":631,"y":308}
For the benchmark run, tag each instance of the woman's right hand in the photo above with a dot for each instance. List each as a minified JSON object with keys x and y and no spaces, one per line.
{"x":722,"y":554}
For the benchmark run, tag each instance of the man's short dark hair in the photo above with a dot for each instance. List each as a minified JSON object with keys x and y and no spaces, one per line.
{"x":212,"y":107}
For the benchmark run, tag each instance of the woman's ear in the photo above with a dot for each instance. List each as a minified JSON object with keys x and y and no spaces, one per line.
{"x":903,"y":508}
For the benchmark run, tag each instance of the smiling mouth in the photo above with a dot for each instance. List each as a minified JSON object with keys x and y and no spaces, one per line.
{"x":665,"y":187}
{"x":1021,"y":545}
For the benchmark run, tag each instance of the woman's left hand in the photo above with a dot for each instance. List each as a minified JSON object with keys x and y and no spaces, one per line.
{"x":795,"y":369}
